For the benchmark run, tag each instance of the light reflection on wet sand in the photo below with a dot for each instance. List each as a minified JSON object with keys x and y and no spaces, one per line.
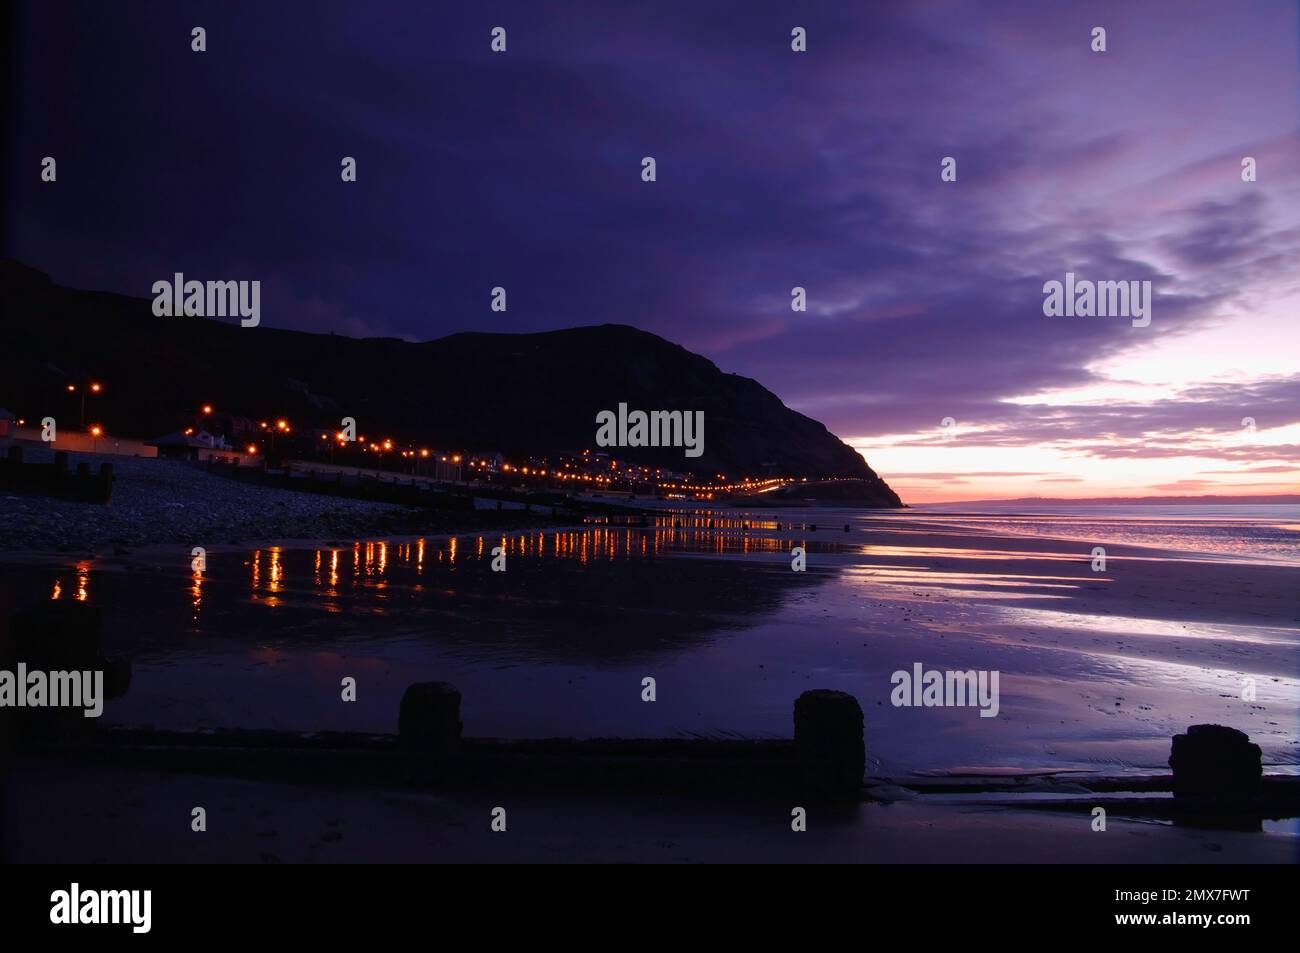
{"x":559,"y":643}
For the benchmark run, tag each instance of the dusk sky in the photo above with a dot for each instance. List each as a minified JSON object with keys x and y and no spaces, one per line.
{"x":775,"y":169}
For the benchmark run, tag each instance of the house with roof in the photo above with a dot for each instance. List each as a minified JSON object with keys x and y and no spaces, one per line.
{"x":198,"y":445}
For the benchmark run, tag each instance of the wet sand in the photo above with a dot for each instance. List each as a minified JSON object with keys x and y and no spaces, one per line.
{"x":144,"y":817}
{"x":1098,"y":670}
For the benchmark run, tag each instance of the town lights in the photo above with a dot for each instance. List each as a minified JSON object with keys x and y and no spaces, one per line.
{"x":252,"y":449}
{"x":96,"y":431}
{"x":207,"y":408}
{"x":282,"y":425}
{"x":96,"y":388}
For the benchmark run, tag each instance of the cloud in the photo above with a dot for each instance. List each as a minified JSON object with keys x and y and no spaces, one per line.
{"x":775,"y":169}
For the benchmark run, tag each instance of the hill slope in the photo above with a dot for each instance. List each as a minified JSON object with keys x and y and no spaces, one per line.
{"x":514,"y":392}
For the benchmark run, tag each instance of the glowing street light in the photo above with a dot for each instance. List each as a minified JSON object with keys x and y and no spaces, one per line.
{"x":91,"y":386}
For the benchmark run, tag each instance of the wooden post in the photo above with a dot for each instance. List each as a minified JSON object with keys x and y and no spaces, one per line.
{"x":50,"y":637}
{"x":105,"y":481}
{"x":429,"y":719}
{"x":828,"y":739}
{"x":1215,"y":761}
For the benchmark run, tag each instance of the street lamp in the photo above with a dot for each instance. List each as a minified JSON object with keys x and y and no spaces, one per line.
{"x":94,"y":387}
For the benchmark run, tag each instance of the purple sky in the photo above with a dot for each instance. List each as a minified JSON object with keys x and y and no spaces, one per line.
{"x":775,"y":169}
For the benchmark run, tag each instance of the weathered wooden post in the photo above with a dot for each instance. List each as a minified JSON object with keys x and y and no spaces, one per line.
{"x":429,"y":719}
{"x":828,"y":740}
{"x":52,"y":637}
{"x":1215,"y":761}
{"x":105,"y":481}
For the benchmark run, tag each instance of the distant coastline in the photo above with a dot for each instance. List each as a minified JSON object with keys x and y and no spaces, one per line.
{"x":1214,"y":500}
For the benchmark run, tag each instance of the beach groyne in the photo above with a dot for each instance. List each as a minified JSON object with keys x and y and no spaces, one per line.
{"x":1216,"y":779}
{"x":395,"y":490}
{"x":429,"y":751}
{"x":56,"y":479}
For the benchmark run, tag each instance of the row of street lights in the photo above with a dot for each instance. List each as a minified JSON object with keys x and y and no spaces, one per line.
{"x":93,"y":387}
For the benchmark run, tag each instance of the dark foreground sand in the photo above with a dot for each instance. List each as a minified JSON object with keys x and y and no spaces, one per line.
{"x":78,"y":815}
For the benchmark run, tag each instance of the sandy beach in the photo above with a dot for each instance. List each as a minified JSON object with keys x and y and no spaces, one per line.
{"x":1098,"y":670}
{"x":254,"y":822}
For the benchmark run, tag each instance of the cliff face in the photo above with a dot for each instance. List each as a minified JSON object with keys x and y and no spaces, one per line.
{"x":513,"y":392}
